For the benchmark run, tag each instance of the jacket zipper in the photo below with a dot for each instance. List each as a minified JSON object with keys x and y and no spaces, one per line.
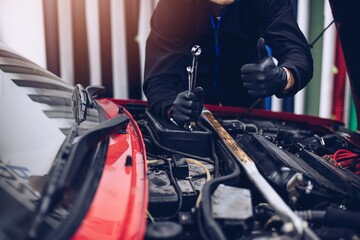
{"x":216,"y":26}
{"x":217,"y":48}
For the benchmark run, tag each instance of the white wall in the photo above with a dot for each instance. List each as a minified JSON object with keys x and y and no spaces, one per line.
{"x":22,"y":28}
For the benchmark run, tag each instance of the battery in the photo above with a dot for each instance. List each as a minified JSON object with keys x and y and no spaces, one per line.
{"x":163,"y":198}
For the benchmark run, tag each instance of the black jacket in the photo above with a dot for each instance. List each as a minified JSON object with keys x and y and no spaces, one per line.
{"x":227,"y":44}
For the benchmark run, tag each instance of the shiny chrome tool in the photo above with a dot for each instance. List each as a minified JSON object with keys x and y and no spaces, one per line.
{"x":192,"y":75}
{"x":189,"y":73}
{"x":195,"y":51}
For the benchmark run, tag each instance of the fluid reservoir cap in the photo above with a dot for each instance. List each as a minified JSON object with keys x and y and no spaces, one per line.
{"x":163,"y":230}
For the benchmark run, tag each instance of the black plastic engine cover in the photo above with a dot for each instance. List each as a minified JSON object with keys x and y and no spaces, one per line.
{"x":196,"y":142}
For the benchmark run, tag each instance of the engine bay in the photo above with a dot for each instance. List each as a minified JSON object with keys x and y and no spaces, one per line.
{"x":199,"y":189}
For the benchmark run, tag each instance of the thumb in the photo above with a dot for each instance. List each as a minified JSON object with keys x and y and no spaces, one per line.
{"x":262,"y":51}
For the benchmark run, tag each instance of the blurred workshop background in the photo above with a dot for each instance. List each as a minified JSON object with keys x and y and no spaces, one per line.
{"x":102,"y":42}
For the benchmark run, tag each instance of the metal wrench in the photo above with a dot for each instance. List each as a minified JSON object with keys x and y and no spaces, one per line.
{"x":192,"y":75}
{"x":195,"y":52}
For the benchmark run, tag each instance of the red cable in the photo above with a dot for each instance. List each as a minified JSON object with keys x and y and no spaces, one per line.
{"x":344,"y":158}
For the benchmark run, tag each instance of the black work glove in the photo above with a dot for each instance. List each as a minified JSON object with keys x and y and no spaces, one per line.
{"x":187,"y":106}
{"x":263,"y":79}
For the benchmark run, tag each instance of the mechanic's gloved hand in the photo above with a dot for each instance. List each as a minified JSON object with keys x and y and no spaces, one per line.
{"x":187,"y":106}
{"x":264,"y":78}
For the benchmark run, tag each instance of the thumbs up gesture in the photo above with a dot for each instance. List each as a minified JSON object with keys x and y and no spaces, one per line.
{"x":263,"y":79}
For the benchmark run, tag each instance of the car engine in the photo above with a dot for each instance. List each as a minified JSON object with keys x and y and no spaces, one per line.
{"x":199,"y":189}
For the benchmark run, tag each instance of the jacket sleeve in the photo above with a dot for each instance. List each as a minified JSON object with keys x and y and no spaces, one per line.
{"x":166,"y":59}
{"x":289,"y":46}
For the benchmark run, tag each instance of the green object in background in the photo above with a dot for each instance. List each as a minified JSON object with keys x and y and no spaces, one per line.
{"x":352,"y":116}
{"x":316,"y":27}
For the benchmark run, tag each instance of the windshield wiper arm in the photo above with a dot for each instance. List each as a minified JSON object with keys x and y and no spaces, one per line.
{"x":68,"y":162}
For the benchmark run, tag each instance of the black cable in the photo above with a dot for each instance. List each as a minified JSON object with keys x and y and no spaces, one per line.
{"x":157,"y":156}
{"x":311,"y":45}
{"x":178,"y":191}
{"x":311,"y":215}
{"x":333,"y":217}
{"x":340,"y":218}
{"x":249,"y":109}
{"x":200,"y":226}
